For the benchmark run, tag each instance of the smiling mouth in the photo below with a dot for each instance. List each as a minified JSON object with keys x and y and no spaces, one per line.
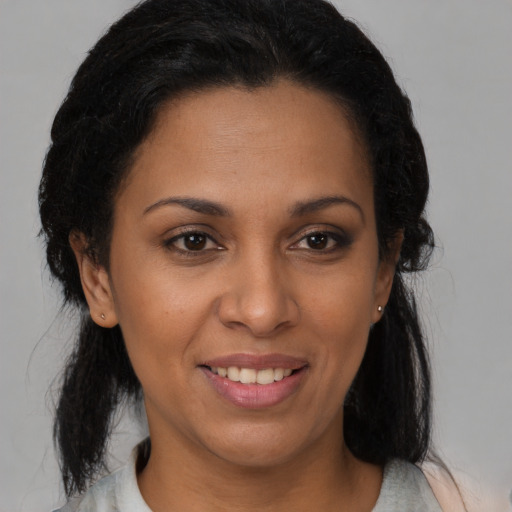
{"x":255,"y":382}
{"x":250,"y":375}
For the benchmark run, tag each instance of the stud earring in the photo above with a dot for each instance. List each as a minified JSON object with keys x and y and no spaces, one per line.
{"x":379,"y":309}
{"x":102,"y":316}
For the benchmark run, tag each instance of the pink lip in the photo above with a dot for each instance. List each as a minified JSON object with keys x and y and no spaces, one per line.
{"x":255,"y":396}
{"x":257,"y":362}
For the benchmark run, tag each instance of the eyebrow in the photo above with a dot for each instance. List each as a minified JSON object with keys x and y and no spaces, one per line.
{"x":208,"y":207}
{"x":198,"y":205}
{"x":305,"y":207}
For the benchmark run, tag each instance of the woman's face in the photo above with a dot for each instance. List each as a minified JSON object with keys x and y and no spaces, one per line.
{"x":244,"y":243}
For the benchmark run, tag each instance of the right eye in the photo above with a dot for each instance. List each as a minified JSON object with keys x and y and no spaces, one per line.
{"x":192,"y":241}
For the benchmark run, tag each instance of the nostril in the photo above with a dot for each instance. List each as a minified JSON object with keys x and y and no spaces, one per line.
{"x":261,"y":308}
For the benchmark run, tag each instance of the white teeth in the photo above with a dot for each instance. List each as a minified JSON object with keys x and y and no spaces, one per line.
{"x":252,"y":376}
{"x":278,"y":374}
{"x":265,"y":376}
{"x":233,"y":374}
{"x":247,"y":376}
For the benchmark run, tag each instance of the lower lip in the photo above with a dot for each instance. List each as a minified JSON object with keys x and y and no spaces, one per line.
{"x":255,"y":396}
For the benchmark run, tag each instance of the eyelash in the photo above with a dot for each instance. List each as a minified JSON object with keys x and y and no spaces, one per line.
{"x":340,"y":241}
{"x":171,"y":243}
{"x":335,"y":242}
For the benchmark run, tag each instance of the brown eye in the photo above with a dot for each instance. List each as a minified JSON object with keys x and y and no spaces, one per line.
{"x":323,"y":242}
{"x":317,"y":241}
{"x":194,"y":241}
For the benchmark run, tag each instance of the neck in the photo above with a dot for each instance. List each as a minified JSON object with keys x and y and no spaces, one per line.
{"x":323,"y":477}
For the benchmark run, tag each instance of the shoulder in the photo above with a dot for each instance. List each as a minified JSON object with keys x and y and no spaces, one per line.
{"x":405,"y":488}
{"x":445,"y":487}
{"x":101,"y":497}
{"x":117,"y":492}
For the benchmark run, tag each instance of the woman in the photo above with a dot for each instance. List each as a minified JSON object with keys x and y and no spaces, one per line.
{"x":233,"y":195}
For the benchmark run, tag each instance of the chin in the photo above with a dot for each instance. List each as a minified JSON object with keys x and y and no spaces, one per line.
{"x":258,"y":448}
{"x":256,"y":457}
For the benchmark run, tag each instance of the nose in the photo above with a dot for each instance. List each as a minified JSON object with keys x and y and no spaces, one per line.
{"x":258,"y":298}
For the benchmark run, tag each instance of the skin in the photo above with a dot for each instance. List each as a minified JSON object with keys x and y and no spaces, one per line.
{"x":258,"y":285}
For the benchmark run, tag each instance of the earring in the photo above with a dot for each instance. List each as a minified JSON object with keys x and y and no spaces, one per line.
{"x":102,"y":316}
{"x":379,"y":309}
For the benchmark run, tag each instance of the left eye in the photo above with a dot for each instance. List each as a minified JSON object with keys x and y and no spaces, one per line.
{"x":320,"y":241}
{"x":194,"y":241}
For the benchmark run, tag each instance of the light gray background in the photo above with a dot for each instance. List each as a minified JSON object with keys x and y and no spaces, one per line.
{"x":454,"y":57}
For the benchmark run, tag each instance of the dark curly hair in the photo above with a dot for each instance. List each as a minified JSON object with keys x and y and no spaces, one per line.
{"x":159,"y":50}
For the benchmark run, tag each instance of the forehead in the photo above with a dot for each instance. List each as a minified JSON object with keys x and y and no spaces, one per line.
{"x":283,"y":135}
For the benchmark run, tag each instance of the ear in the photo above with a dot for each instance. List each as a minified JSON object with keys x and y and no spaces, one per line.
{"x":95,"y":283}
{"x":385,"y":275}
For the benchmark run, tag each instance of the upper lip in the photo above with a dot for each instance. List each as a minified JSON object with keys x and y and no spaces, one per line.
{"x":256,"y":361}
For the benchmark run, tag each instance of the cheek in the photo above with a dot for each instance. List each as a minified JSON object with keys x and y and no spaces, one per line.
{"x":343,"y":302}
{"x":158,"y":316}
{"x":339,"y":315}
